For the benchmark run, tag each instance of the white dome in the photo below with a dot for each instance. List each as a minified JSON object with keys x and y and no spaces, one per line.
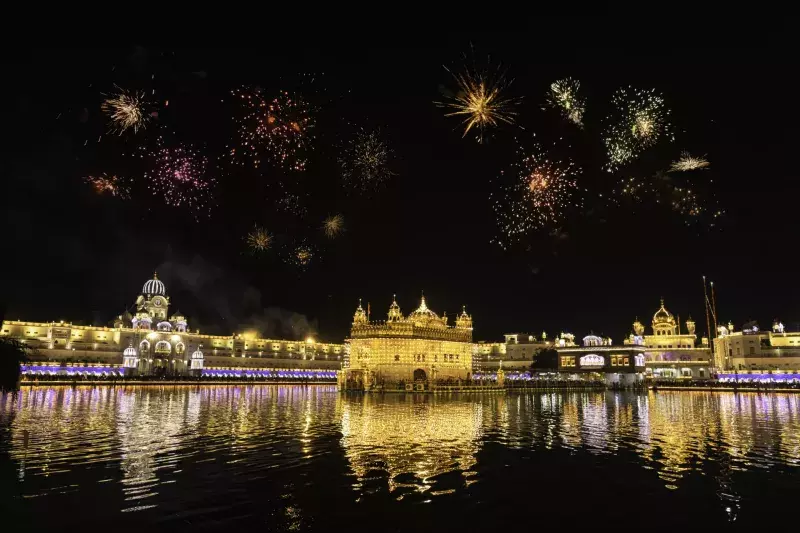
{"x":130,"y":351}
{"x":154,"y":286}
{"x":197,"y":354}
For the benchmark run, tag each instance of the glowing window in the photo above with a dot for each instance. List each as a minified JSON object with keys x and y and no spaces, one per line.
{"x":592,"y":361}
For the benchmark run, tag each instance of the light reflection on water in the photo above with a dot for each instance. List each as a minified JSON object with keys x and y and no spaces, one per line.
{"x":168,"y":453}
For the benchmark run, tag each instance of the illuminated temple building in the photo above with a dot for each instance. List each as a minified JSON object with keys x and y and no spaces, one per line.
{"x":670,"y":353}
{"x":419,"y":349}
{"x":154,"y":342}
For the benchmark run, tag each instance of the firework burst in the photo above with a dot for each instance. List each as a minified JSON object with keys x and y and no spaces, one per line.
{"x":333,"y":226}
{"x":365,"y":161}
{"x":126,"y":110}
{"x":279,"y":130}
{"x":300,"y":254}
{"x":687,"y":162}
{"x":564,"y":96}
{"x":116,"y":186}
{"x":693,"y":206}
{"x":638,"y":122}
{"x":259,"y":240}
{"x":480,"y":101}
{"x":534,"y":195}
{"x":180,"y":176}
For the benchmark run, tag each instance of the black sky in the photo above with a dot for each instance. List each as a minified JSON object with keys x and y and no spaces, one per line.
{"x":75,"y":255}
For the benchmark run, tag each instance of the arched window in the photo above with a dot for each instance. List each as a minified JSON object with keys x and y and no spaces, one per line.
{"x":144,"y":346}
{"x":397,"y":357}
{"x":163,"y":347}
{"x":639,"y":360}
{"x":180,"y":347}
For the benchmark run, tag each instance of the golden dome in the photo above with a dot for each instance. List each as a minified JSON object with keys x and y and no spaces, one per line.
{"x":638,"y":327}
{"x":663,"y":316}
{"x":423,"y":316}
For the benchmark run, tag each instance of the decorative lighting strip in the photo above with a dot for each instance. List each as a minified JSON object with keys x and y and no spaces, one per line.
{"x":58,"y":370}
{"x":759,"y":378}
{"x":270,"y":374}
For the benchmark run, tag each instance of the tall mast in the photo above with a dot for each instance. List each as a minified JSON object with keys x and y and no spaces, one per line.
{"x":708,"y":319}
{"x":714,"y":307}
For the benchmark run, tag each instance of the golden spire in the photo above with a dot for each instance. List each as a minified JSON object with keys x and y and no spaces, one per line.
{"x":422,"y":306}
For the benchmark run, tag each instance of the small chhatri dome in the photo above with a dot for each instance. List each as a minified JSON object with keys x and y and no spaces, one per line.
{"x":360,"y":317}
{"x":464,"y":321}
{"x":198,"y":354}
{"x":690,"y":325}
{"x":130,"y":351}
{"x":638,"y":327}
{"x":395,"y":315}
{"x":154,"y":286}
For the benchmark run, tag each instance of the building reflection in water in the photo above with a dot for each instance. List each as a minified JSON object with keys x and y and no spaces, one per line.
{"x":411,"y":444}
{"x":410,"y":439}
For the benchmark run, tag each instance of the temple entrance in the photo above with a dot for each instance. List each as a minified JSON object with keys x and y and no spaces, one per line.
{"x":420,"y":375}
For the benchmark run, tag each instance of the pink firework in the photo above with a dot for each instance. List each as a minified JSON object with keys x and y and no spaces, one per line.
{"x":181,"y":177}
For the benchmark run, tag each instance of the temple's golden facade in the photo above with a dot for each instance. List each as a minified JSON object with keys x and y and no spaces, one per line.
{"x":420,"y":348}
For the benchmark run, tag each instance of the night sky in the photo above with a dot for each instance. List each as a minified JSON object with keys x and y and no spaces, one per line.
{"x":76,"y":255}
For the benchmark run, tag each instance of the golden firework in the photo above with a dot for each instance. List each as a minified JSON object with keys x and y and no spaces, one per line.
{"x":113,"y":185}
{"x":481,"y":101}
{"x":303,"y":254}
{"x":688,"y":162}
{"x":259,"y":239}
{"x":333,"y":226}
{"x":126,"y":110}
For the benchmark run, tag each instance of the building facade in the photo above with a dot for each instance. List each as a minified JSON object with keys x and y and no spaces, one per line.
{"x":420,"y":348}
{"x":154,"y":342}
{"x":671,"y":354}
{"x":598,"y":359}
{"x":753,"y":349}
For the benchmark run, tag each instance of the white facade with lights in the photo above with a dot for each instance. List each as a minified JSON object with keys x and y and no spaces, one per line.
{"x":151,"y":341}
{"x":599,"y":360}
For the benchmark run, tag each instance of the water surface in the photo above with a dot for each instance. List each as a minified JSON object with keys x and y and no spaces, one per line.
{"x":306,"y":458}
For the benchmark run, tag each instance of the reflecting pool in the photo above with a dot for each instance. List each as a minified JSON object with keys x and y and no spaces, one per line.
{"x":306,"y":458}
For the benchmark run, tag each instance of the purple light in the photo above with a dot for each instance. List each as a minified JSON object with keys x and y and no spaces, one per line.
{"x":759,"y":378}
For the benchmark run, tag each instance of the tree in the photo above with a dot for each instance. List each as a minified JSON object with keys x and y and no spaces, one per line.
{"x":12,"y":354}
{"x":545,"y":359}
